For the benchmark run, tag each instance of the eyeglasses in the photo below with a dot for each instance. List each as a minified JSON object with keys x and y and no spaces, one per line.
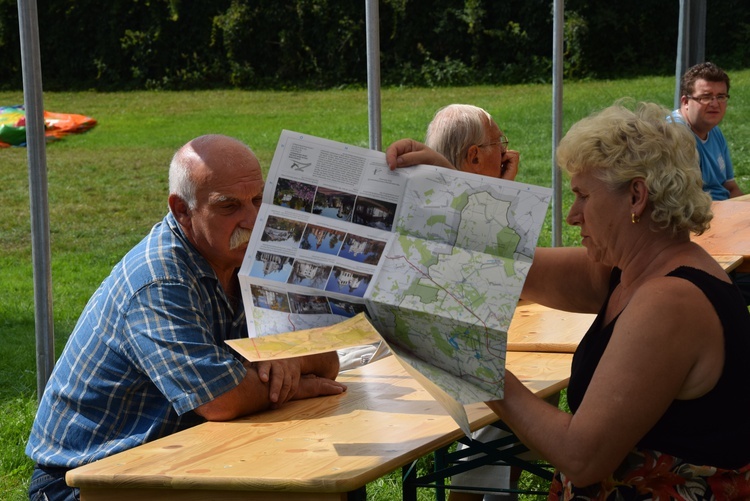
{"x":502,"y":141}
{"x":704,"y":100}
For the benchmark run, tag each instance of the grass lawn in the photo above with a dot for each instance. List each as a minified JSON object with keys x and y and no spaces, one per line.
{"x":107,"y":187}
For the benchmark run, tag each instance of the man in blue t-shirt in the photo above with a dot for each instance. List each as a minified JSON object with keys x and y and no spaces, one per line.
{"x":704,"y":90}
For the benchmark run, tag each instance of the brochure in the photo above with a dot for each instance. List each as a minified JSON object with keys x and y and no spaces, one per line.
{"x":435,"y":258}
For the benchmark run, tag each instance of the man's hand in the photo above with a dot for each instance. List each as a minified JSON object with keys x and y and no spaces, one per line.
{"x":407,"y":152}
{"x":311,"y":386}
{"x":509,"y":165}
{"x":734,"y":188}
{"x":283,"y":377}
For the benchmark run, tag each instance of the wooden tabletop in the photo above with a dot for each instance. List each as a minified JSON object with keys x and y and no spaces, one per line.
{"x":729,"y":262}
{"x":729,"y":232}
{"x":538,"y":328}
{"x":312,"y":449}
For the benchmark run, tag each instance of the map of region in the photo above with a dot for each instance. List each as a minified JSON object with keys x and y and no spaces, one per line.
{"x":352,"y":332}
{"x":451,"y":309}
{"x":468,"y":212}
{"x":435,"y":257}
{"x":446,"y":292}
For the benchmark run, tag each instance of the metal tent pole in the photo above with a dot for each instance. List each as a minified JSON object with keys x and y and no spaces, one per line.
{"x":36,"y":152}
{"x":372,"y":23}
{"x":557,"y":113}
{"x":691,"y":40}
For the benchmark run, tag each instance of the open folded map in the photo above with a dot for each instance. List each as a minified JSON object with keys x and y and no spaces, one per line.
{"x":435,"y":258}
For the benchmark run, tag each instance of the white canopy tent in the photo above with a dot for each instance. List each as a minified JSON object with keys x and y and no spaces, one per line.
{"x":689,"y":51}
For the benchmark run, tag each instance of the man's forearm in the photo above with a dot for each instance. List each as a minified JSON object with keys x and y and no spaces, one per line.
{"x":733,"y":188}
{"x":322,"y":364}
{"x":250,"y":396}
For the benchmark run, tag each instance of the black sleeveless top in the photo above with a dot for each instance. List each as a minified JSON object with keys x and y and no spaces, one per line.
{"x":712,"y":430}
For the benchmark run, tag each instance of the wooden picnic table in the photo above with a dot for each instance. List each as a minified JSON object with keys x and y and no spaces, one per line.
{"x":729,"y":233}
{"x":316,"y":449}
{"x":538,"y":328}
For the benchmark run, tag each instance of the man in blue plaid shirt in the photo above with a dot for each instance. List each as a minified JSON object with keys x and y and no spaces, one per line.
{"x":147,"y":357}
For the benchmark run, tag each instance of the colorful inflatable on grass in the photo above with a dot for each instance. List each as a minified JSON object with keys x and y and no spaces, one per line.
{"x":56,"y":125}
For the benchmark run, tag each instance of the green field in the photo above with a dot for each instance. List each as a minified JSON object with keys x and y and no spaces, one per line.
{"x":107,"y":187}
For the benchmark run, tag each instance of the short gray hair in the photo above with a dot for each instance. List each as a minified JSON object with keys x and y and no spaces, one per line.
{"x":455,"y":128}
{"x":181,"y":182}
{"x":193,"y":154}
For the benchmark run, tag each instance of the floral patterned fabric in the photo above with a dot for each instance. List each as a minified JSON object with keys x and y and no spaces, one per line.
{"x":650,"y":475}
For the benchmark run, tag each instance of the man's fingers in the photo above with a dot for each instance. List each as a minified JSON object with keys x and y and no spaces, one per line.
{"x":288,"y":388}
{"x":312,"y":386}
{"x":283,"y":378}
{"x":394,"y":154}
{"x":510,"y":163}
{"x":264,"y":370}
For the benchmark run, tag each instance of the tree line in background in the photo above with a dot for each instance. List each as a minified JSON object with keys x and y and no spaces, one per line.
{"x":318,"y":44}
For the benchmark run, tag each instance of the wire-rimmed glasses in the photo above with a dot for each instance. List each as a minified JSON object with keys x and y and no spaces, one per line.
{"x":502,"y":141}
{"x":707,"y":99}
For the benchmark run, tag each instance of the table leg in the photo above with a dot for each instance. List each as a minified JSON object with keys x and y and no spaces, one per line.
{"x":408,"y":485}
{"x":358,"y":495}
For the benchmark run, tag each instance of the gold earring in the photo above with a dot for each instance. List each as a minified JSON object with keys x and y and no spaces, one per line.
{"x":635,"y":219}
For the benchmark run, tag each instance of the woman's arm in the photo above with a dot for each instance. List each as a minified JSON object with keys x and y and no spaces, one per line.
{"x":566,"y":279}
{"x":667,"y":344}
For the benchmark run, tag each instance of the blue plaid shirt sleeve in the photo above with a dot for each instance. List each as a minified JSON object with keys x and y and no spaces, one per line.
{"x":170,"y":336}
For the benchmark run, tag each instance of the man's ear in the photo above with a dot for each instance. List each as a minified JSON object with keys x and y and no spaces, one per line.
{"x":180,"y":210}
{"x":472,"y":155}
